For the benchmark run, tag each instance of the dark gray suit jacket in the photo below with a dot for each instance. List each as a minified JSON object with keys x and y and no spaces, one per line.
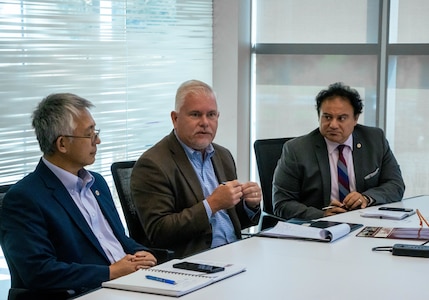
{"x":168,"y":197}
{"x":302,"y":179}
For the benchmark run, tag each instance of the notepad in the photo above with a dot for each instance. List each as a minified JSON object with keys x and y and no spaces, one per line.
{"x":185,"y":281}
{"x":296,"y":231}
{"x":386,"y":214}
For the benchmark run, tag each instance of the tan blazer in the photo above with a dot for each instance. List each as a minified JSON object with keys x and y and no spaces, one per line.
{"x":168,"y":197}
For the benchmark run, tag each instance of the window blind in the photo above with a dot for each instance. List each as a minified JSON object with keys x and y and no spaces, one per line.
{"x":127,"y":57}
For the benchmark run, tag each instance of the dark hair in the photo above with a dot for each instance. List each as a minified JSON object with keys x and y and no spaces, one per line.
{"x":344,"y":91}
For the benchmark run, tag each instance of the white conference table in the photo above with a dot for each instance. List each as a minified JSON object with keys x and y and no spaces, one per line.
{"x":292,"y":269}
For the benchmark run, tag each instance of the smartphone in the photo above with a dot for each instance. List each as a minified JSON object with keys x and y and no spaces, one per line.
{"x":325,"y":224}
{"x":198,"y":267}
{"x":396,"y":209}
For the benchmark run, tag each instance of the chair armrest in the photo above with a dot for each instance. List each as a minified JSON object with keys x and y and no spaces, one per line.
{"x":162,"y":255}
{"x":27,"y":294}
{"x":269,"y":220}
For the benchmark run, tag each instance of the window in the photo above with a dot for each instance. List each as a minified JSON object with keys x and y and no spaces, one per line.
{"x":408,"y":89}
{"x":289,"y":83}
{"x":302,"y":46}
{"x":316,"y":22}
{"x":378,"y":47}
{"x":127,"y":57}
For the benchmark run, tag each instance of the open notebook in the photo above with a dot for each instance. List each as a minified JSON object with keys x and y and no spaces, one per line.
{"x":185,"y":281}
{"x":323,"y":231}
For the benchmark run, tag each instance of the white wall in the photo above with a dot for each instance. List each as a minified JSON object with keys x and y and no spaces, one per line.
{"x":231,"y":78}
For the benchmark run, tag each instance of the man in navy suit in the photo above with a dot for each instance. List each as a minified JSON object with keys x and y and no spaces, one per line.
{"x":306,"y":184}
{"x":59,"y":226}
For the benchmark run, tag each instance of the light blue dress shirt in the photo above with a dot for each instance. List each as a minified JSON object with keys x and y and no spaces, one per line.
{"x":222,"y":227}
{"x":79,"y":189}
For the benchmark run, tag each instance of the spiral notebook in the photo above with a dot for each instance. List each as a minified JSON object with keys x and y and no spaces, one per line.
{"x":172,"y":281}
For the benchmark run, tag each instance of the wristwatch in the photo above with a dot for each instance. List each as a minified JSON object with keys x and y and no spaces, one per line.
{"x":369,"y":200}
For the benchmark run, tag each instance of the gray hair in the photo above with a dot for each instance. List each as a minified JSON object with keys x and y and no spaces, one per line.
{"x":191,"y":87}
{"x":54,"y":116}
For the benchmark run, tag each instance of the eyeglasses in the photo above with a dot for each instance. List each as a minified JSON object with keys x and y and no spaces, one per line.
{"x":93,"y":136}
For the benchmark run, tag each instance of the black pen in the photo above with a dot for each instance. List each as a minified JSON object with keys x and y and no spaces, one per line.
{"x":395,"y":209}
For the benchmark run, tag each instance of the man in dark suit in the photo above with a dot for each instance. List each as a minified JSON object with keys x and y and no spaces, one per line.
{"x":306,"y":184}
{"x":59,"y":225}
{"x":185,"y":187}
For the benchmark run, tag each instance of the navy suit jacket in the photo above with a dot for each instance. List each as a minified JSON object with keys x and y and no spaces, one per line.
{"x":47,"y":242}
{"x":302,"y":179}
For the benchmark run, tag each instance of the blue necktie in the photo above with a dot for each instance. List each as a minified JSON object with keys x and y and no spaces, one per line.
{"x":343,"y":177}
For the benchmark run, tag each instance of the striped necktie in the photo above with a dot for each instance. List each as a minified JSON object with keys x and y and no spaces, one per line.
{"x":343,"y":177}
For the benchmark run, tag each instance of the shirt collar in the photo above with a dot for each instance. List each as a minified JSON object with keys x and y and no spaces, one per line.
{"x":332,"y":146}
{"x":191,"y":152}
{"x":69,"y":180}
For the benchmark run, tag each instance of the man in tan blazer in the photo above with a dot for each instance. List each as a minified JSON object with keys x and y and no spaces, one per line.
{"x":185,"y":187}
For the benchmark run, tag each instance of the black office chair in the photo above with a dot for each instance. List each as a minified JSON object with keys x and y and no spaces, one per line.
{"x":3,"y":190}
{"x":121,"y":173}
{"x":25,"y":294}
{"x":267,"y":153}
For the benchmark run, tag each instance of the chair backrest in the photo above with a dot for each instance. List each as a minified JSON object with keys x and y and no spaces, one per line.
{"x":267,"y":153}
{"x":3,"y":190}
{"x":121,"y":173}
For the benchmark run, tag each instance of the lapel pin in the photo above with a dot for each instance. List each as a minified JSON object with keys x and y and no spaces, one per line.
{"x":359,"y":145}
{"x":97,"y":192}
